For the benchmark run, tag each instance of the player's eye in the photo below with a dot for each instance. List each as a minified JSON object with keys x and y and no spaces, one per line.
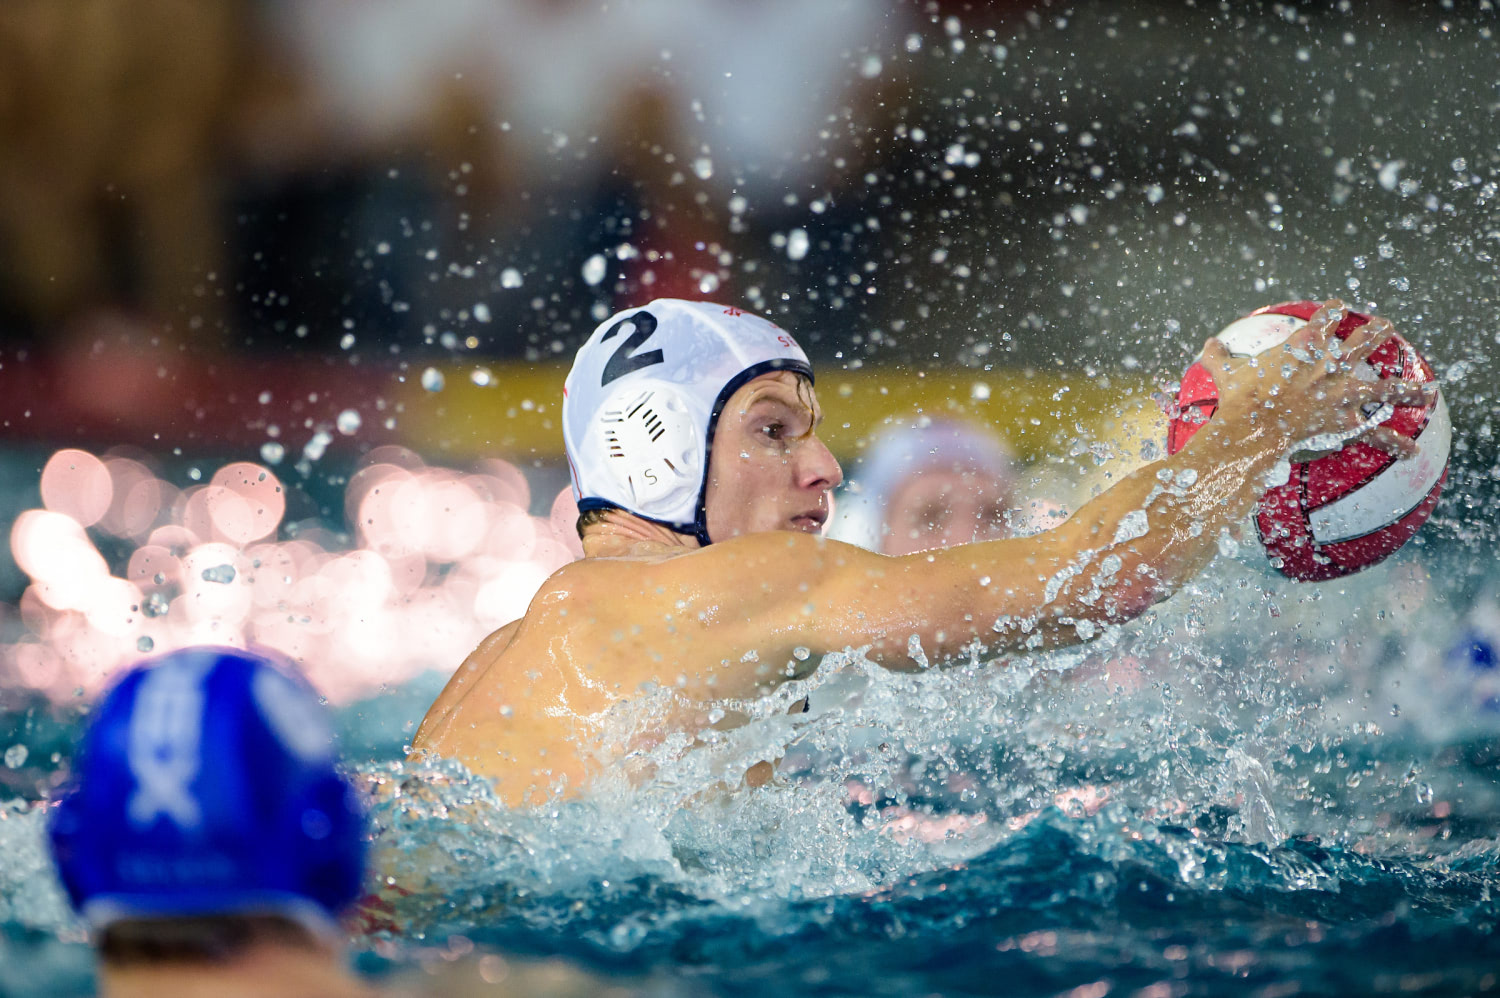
{"x":775,"y":431}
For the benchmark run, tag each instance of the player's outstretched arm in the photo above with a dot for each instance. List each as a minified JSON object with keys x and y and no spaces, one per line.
{"x":1149,"y":534}
{"x":1123,"y":551}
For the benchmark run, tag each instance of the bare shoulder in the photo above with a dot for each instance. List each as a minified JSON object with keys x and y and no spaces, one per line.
{"x":750,"y":588}
{"x":464,"y":679}
{"x":475,"y":669}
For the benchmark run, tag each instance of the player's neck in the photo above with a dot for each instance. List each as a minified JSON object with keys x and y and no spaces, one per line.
{"x":265,"y":970}
{"x":622,"y":535}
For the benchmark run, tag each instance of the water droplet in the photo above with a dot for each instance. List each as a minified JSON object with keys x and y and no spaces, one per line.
{"x":222,"y":574}
{"x":155,"y":605}
{"x":481,"y":312}
{"x":272,"y":452}
{"x":510,"y":277}
{"x":315,"y":448}
{"x":703,"y":167}
{"x":432,"y":379}
{"x":1424,"y":793}
{"x":800,"y":654}
{"x":346,"y":341}
{"x":482,"y":376}
{"x":15,"y":756}
{"x":871,"y":66}
{"x":796,"y":244}
{"x":594,"y":269}
{"x":144,"y":644}
{"x":348,"y":422}
{"x":1132,"y":525}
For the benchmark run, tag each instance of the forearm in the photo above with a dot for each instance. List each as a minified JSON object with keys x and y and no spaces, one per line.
{"x":1119,"y":554}
{"x":1163,"y":521}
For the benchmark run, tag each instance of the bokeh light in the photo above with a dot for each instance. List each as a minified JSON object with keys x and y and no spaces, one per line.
{"x":77,"y":484}
{"x":437,"y":558}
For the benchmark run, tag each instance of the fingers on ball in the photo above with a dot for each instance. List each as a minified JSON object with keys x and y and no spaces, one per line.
{"x":1368,"y":337}
{"x":1401,"y":392}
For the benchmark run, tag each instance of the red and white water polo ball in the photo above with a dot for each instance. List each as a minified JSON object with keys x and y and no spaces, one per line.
{"x":1344,"y":510}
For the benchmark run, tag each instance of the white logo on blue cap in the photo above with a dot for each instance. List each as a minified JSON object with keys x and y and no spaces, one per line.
{"x":162,"y":746}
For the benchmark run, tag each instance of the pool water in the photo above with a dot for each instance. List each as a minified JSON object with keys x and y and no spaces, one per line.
{"x":1261,"y":788}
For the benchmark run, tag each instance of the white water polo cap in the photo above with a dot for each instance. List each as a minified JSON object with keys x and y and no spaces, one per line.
{"x":644,"y":395}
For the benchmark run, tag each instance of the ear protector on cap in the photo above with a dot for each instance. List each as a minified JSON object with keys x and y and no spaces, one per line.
{"x":652,"y":447}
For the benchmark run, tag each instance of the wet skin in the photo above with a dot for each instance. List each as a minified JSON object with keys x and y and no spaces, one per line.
{"x":647,"y":606}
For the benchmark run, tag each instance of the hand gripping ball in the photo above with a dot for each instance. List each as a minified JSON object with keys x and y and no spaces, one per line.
{"x":1339,"y":510}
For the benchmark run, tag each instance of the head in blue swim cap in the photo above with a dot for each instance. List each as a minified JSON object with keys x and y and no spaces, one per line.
{"x":207,"y":785}
{"x":643,"y":405}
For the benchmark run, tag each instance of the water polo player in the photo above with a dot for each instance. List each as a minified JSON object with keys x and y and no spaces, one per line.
{"x":209,"y":838}
{"x":692,"y":434}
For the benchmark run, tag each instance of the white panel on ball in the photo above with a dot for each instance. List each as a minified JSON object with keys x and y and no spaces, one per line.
{"x":1394,"y":492}
{"x":1255,"y":334}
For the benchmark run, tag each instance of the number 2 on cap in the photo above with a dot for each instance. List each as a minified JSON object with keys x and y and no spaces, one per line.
{"x":624,"y":359}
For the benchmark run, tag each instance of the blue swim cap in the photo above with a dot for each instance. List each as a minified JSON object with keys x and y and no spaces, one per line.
{"x":207,"y":784}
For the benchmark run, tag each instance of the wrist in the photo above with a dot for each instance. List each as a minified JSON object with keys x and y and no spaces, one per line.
{"x":1259,"y":437}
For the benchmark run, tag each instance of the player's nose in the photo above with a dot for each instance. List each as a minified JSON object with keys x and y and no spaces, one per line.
{"x":818,"y":468}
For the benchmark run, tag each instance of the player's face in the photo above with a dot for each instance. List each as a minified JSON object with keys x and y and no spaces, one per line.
{"x":768,"y":469}
{"x":938,"y":508}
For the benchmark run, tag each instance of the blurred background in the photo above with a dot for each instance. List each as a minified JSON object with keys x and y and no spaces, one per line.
{"x":288,"y":287}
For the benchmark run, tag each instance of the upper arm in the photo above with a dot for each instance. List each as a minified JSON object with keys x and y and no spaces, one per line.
{"x":739,"y":612}
{"x":1032,"y":592}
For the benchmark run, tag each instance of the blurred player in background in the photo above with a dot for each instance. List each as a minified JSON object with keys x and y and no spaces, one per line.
{"x":209,"y":838}
{"x":930,"y":484}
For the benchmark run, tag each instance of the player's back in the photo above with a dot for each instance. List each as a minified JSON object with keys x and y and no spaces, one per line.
{"x":529,"y":707}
